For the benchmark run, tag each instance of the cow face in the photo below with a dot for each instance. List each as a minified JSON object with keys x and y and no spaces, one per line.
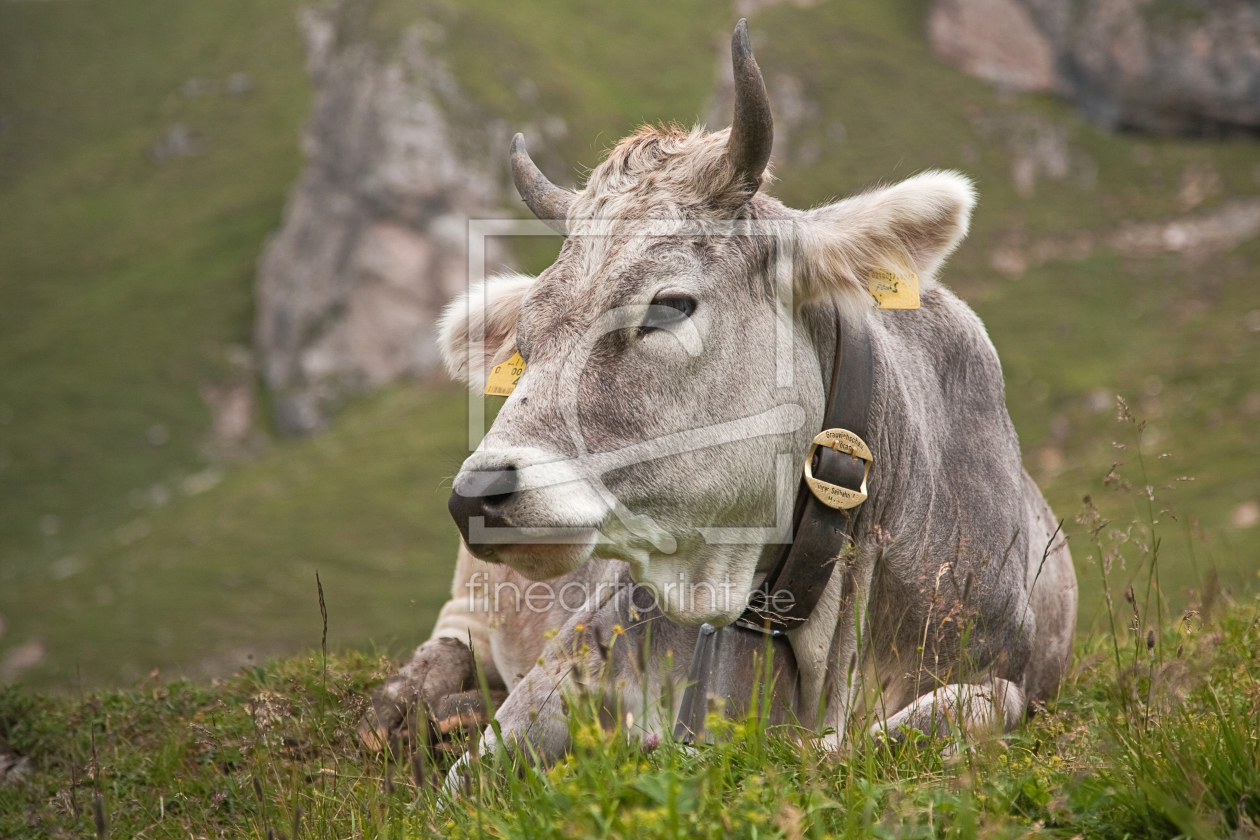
{"x":673,"y":379}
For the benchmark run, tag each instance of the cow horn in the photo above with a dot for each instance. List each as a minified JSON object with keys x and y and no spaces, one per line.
{"x":547,"y":201}
{"x":752,"y":130}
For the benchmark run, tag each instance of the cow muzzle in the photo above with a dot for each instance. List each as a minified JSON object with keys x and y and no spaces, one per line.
{"x":527,"y":508}
{"x":486,"y":494}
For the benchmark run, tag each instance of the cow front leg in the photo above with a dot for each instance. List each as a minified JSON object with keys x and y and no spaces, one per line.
{"x":970,"y":710}
{"x":534,"y":719}
{"x":589,"y":665}
{"x":438,"y":668}
{"x":634,"y":678}
{"x":443,"y":666}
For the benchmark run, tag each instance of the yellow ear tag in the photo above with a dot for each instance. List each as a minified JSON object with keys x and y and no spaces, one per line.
{"x":503,"y":378}
{"x":892,"y":290}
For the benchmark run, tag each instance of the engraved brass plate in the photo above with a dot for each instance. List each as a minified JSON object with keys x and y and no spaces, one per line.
{"x":832,"y":495}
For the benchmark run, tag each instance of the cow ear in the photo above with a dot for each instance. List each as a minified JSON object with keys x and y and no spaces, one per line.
{"x":911,"y":225}
{"x":478,"y":328}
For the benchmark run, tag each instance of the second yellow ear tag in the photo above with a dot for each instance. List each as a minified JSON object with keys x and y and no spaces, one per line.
{"x":894,"y":290}
{"x":503,"y":378}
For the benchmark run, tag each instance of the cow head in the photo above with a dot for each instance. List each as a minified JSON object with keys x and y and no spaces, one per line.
{"x":673,"y":380}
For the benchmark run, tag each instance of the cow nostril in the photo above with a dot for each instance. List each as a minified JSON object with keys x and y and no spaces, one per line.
{"x":498,"y":501}
{"x":496,"y":488}
{"x":503,"y":488}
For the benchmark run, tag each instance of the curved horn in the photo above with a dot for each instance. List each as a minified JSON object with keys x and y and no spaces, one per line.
{"x":752,"y":129}
{"x":547,"y":201}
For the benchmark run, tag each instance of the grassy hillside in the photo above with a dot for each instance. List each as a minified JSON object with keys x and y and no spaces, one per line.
{"x":1158,"y":742}
{"x":125,"y":285}
{"x":124,"y":282}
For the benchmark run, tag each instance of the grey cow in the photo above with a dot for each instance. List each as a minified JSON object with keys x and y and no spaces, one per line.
{"x":678,"y":353}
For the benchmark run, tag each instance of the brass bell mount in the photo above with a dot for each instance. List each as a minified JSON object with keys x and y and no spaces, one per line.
{"x":832,"y":495}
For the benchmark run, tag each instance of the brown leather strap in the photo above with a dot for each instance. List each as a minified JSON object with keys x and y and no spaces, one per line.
{"x":803,"y":566}
{"x":724,"y":663}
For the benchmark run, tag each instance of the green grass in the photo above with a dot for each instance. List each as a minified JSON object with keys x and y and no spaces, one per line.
{"x":125,"y":284}
{"x":1153,"y":742}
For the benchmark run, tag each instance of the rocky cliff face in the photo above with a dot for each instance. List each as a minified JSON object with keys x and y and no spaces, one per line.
{"x":373,"y":242}
{"x":1162,"y":66}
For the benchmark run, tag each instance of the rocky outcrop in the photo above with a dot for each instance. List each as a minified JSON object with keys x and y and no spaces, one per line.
{"x":1161,"y":66}
{"x":995,"y":40}
{"x":373,"y":242}
{"x":1195,"y":236}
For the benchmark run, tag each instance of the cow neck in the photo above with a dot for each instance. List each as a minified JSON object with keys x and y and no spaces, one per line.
{"x":820,"y":535}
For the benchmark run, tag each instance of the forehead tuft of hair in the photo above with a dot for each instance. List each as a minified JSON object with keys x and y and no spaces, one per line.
{"x":664,"y":171}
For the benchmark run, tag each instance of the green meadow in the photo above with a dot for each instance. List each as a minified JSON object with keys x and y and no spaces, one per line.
{"x":1158,"y":739}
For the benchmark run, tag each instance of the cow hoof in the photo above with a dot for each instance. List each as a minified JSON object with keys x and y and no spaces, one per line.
{"x":448,"y":722}
{"x":439,"y":668}
{"x":465,"y":712}
{"x":372,"y":735}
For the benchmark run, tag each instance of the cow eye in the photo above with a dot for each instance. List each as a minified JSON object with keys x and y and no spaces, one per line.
{"x":667,"y":311}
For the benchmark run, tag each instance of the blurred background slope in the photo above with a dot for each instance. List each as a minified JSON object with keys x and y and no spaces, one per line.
{"x":205,"y":397}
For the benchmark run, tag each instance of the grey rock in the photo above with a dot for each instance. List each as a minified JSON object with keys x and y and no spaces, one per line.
{"x":1194,"y":236}
{"x":21,"y":658}
{"x":13,"y":768}
{"x":995,"y":40}
{"x":231,"y":401}
{"x":374,"y":237}
{"x":1167,"y":67}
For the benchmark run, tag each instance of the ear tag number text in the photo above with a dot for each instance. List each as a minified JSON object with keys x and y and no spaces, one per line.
{"x":503,"y":377}
{"x":894,"y":290}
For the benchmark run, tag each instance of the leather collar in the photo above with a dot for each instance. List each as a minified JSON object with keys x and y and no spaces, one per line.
{"x":803,"y":566}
